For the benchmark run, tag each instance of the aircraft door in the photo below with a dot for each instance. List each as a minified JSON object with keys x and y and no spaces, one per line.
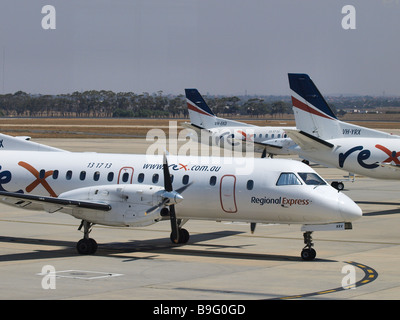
{"x":125,"y":175}
{"x":227,"y":193}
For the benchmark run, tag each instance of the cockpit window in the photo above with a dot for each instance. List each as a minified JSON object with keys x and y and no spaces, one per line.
{"x":311,"y":179}
{"x":288,"y":178}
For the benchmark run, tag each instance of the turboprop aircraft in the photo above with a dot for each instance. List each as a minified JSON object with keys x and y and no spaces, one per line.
{"x":326,"y":140}
{"x":227,"y":133}
{"x":140,"y":190}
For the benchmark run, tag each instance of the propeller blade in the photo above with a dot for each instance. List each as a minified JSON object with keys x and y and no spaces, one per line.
{"x":172,"y":214}
{"x":183,"y":188}
{"x":174,"y":224}
{"x":152,"y":209}
{"x":167,"y":176}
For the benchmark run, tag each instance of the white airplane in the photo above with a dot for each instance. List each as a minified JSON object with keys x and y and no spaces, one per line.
{"x":326,"y":140}
{"x":133,"y":191}
{"x":229,"y":133}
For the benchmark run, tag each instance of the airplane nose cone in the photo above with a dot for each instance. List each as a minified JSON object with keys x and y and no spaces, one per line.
{"x":349,"y":210}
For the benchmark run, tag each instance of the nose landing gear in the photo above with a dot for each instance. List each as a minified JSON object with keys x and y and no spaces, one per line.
{"x":182,"y":235}
{"x":308,"y":253}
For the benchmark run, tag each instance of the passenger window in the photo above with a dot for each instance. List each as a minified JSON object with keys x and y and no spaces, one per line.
{"x":96,"y":176}
{"x":155,"y":178}
{"x":55,"y":174}
{"x":185,"y":179}
{"x":311,"y":179}
{"x":42,"y":174}
{"x":82,"y":175}
{"x":125,"y":177}
{"x":140,"y":178}
{"x":288,"y":178}
{"x":213,"y":180}
{"x":250,"y":184}
{"x":110,"y":176}
{"x":68,"y":176}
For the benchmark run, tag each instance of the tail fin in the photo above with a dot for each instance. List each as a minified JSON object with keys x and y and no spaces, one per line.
{"x":314,"y":116}
{"x":22,"y":144}
{"x":199,"y":112}
{"x":196,"y":102}
{"x":201,"y":115}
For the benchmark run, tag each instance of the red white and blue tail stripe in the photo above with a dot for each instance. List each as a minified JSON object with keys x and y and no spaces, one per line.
{"x":196,"y":103}
{"x":306,"y":96}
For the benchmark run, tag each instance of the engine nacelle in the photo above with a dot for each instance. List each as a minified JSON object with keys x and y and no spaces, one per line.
{"x":128,"y":204}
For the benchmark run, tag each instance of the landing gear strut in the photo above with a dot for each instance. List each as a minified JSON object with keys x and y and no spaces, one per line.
{"x":86,"y":245}
{"x":308,"y":253}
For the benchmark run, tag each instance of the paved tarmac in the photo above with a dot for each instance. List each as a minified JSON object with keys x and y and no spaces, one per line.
{"x":221,"y":261}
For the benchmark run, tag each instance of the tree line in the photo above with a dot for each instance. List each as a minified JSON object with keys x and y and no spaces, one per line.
{"x":107,"y":104}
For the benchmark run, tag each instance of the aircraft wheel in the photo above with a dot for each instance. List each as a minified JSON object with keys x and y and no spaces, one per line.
{"x":94,"y":245}
{"x":172,"y":238}
{"x":183,"y":236}
{"x":86,"y":246}
{"x":308,"y":254}
{"x":338,"y":185}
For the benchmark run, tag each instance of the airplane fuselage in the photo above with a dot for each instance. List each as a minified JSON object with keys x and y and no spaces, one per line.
{"x":132,"y":183}
{"x":257,"y":138}
{"x":376,"y":158}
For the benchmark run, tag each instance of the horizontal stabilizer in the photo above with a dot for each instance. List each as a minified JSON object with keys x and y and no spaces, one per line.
{"x":192,"y":126}
{"x":269,"y":145}
{"x":307,"y":141}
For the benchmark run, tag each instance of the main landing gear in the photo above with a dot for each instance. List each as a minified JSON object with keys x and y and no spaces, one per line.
{"x":86,"y":245}
{"x":182,"y":236}
{"x":308,"y":253}
{"x":338,"y":185}
{"x":89,"y":246}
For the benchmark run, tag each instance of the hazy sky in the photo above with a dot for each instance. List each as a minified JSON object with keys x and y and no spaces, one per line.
{"x":217,"y":46}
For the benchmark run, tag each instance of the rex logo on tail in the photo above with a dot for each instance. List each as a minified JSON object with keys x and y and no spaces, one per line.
{"x":323,"y":138}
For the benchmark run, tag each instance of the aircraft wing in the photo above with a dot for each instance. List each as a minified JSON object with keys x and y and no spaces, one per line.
{"x":49,"y":204}
{"x":390,"y":165}
{"x":307,"y":141}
